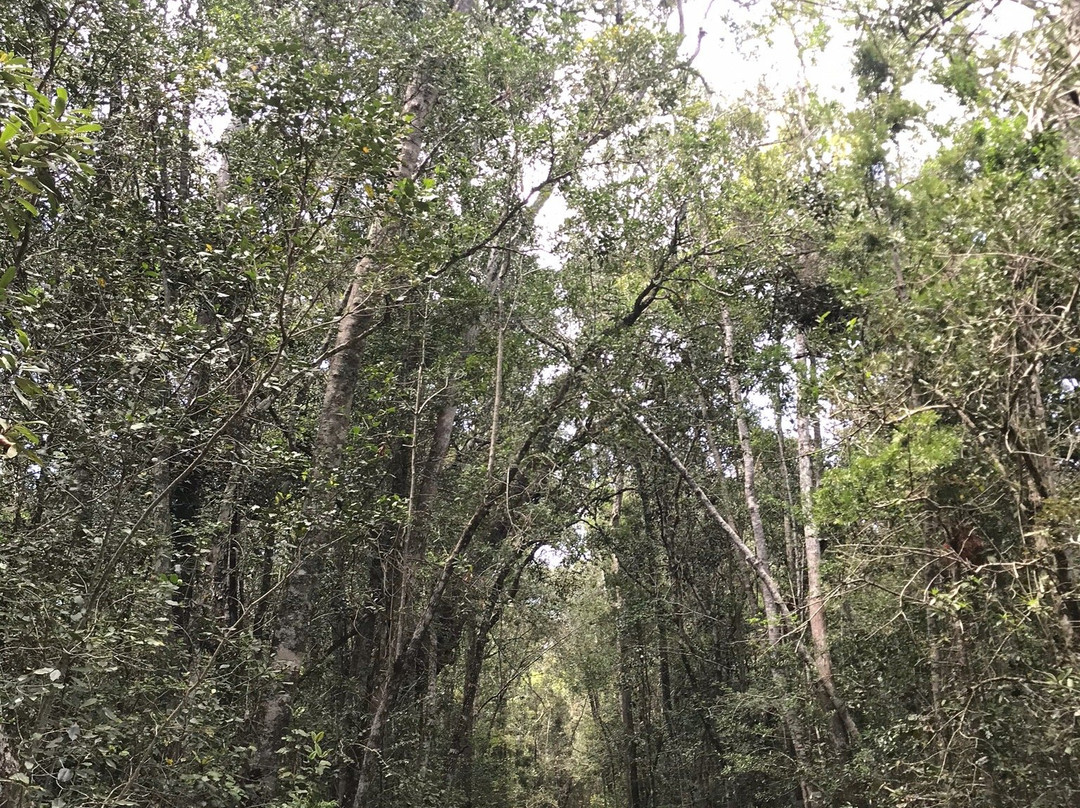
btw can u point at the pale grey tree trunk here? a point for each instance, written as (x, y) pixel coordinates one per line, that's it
(793, 551)
(812, 797)
(757, 527)
(844, 731)
(771, 597)
(292, 627)
(11, 793)
(626, 701)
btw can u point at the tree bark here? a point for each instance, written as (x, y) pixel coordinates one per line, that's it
(757, 527)
(843, 727)
(292, 626)
(771, 599)
(625, 684)
(795, 560)
(11, 793)
(460, 769)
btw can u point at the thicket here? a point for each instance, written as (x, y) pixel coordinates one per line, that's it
(412, 403)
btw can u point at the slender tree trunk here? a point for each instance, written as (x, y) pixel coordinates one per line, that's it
(625, 685)
(496, 404)
(292, 626)
(770, 596)
(502, 593)
(742, 549)
(11, 793)
(496, 495)
(710, 443)
(757, 527)
(217, 600)
(843, 726)
(795, 561)
(423, 487)
(542, 431)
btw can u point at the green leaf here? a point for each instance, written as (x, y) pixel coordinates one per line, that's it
(29, 436)
(27, 386)
(10, 128)
(29, 185)
(7, 278)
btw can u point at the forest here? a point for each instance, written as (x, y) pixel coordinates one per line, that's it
(477, 404)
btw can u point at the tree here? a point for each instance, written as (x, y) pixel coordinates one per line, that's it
(427, 403)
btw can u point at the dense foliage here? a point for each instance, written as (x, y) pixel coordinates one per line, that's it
(423, 403)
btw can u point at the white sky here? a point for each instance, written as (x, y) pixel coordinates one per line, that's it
(733, 69)
(772, 68)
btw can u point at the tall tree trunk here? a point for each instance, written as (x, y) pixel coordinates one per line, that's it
(11, 793)
(795, 560)
(541, 432)
(423, 487)
(843, 727)
(496, 495)
(460, 769)
(496, 404)
(625, 683)
(630, 751)
(770, 595)
(757, 527)
(292, 626)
